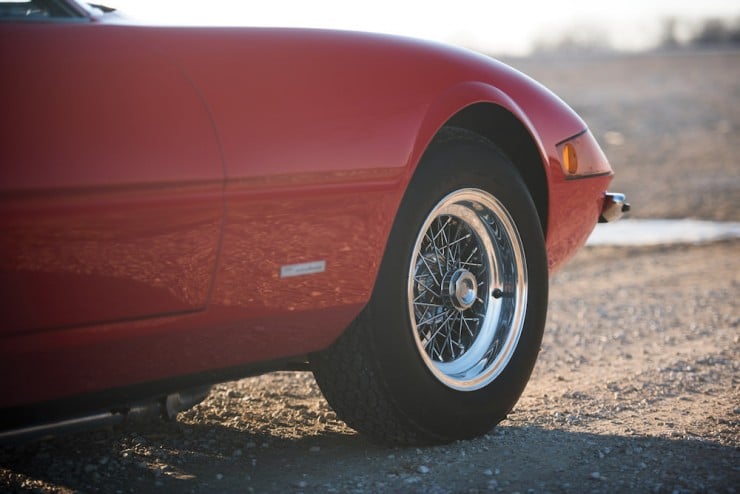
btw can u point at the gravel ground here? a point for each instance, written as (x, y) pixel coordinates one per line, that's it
(637, 388)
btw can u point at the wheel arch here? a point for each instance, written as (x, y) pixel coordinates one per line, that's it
(511, 136)
(493, 114)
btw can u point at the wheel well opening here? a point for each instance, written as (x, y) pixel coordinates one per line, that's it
(501, 127)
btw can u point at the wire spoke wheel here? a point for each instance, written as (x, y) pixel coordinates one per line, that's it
(467, 289)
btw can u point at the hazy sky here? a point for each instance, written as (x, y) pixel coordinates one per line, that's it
(487, 25)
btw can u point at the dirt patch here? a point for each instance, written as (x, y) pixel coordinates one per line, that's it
(637, 388)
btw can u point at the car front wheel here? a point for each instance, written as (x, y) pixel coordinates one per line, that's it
(449, 339)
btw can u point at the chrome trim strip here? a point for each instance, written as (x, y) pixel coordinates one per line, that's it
(45, 430)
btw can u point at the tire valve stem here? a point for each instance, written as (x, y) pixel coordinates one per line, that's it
(497, 293)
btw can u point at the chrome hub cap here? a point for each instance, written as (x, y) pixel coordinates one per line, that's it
(462, 289)
(467, 289)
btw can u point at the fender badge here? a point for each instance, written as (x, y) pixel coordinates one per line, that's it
(302, 269)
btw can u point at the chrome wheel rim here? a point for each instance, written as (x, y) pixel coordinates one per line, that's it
(467, 289)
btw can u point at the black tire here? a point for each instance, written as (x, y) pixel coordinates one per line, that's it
(388, 374)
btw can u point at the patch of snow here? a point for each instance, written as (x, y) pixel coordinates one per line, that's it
(662, 232)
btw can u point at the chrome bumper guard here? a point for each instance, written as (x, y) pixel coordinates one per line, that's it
(615, 205)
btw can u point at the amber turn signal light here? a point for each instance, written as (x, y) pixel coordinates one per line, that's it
(570, 159)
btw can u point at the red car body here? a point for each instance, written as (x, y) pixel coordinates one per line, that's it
(156, 182)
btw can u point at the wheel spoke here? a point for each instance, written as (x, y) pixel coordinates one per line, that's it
(444, 249)
(431, 273)
(429, 290)
(465, 321)
(429, 321)
(441, 326)
(436, 248)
